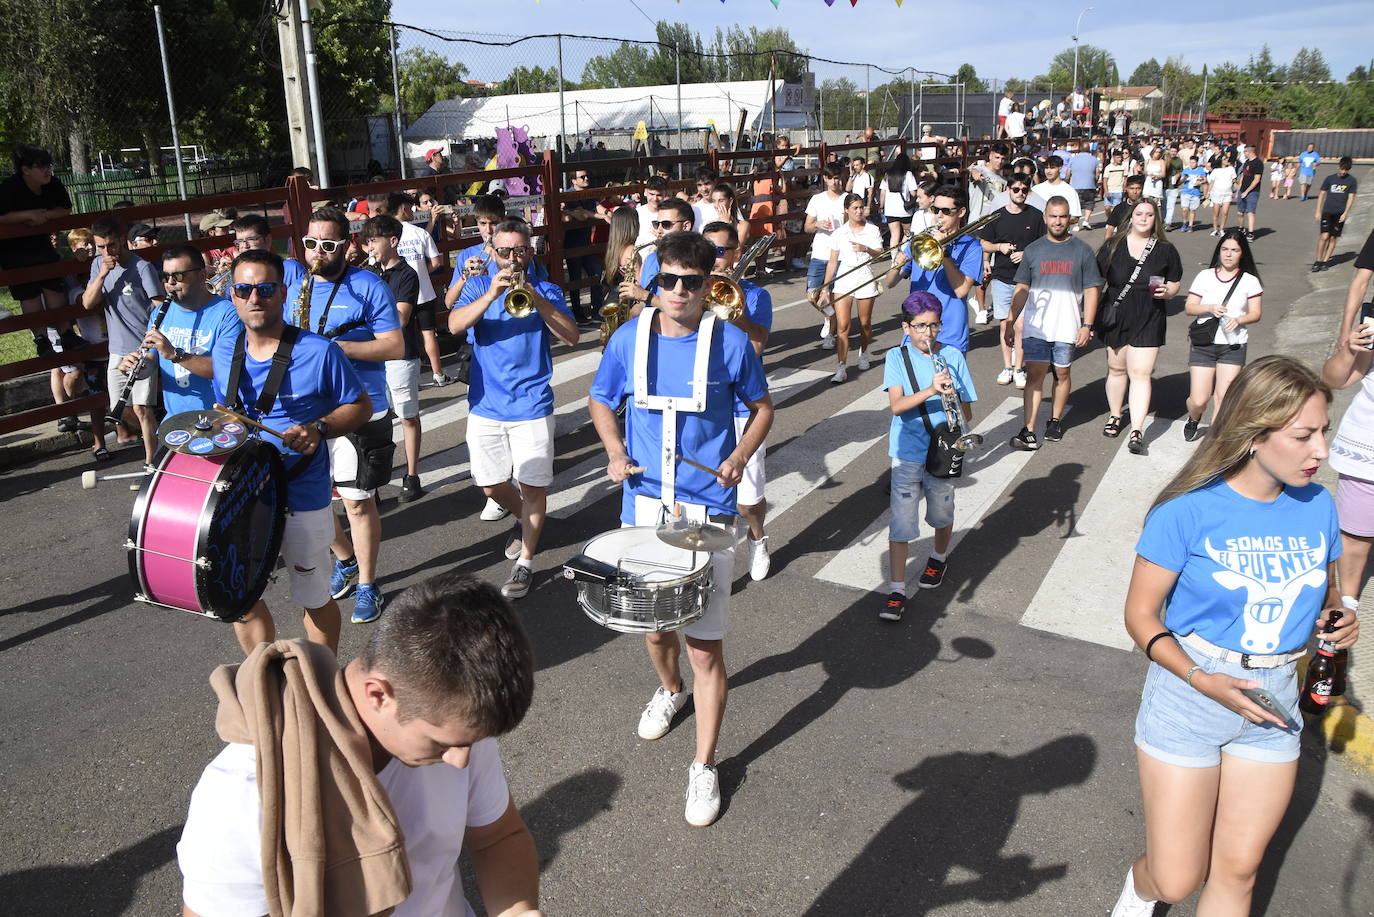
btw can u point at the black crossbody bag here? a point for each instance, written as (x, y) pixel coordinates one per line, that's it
(942, 459)
(1203, 329)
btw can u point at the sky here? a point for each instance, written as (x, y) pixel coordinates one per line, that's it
(1001, 38)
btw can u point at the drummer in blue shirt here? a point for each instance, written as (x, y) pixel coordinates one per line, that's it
(692, 368)
(320, 399)
(961, 268)
(510, 426)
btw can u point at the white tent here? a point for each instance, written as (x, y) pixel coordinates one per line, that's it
(600, 112)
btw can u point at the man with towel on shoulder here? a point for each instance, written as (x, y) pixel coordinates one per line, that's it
(351, 792)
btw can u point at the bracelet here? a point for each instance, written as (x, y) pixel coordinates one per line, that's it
(1149, 647)
(1189, 677)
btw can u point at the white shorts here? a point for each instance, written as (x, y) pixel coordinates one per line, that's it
(343, 464)
(403, 380)
(144, 391)
(712, 624)
(305, 550)
(1221, 198)
(502, 449)
(755, 475)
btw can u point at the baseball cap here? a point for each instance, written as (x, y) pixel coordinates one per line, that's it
(429, 154)
(213, 220)
(139, 230)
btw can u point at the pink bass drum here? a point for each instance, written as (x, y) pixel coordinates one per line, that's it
(206, 530)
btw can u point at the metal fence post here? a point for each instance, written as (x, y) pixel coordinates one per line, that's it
(313, 80)
(562, 117)
(396, 96)
(911, 91)
(172, 112)
(868, 93)
(677, 67)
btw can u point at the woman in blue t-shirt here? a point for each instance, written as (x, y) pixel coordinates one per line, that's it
(1239, 550)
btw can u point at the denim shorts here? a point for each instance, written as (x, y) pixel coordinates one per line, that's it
(1182, 726)
(815, 274)
(1036, 350)
(1209, 356)
(1248, 203)
(1001, 298)
(909, 482)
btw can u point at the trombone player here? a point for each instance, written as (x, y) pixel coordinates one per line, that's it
(961, 265)
(510, 323)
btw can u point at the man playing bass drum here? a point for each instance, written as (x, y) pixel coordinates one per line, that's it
(300, 383)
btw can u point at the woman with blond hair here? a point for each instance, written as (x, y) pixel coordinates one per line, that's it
(1142, 271)
(1239, 551)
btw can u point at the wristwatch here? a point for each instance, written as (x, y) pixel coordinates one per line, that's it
(323, 428)
(179, 355)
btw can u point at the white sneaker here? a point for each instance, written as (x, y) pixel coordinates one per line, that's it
(703, 795)
(864, 362)
(1129, 904)
(828, 342)
(840, 375)
(659, 712)
(1019, 377)
(759, 561)
(981, 317)
(1005, 376)
(493, 511)
(825, 329)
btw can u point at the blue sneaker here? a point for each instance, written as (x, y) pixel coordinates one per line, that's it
(367, 603)
(344, 576)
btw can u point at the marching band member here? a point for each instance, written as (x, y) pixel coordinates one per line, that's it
(698, 372)
(317, 397)
(510, 425)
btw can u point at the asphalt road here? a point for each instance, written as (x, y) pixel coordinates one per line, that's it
(958, 763)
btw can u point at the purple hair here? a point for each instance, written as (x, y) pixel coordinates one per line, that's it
(918, 302)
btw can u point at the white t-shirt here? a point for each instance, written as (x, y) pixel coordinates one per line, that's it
(822, 207)
(702, 213)
(894, 203)
(220, 851)
(417, 247)
(1212, 290)
(1016, 124)
(646, 231)
(863, 183)
(1041, 194)
(870, 236)
(1221, 179)
(1004, 107)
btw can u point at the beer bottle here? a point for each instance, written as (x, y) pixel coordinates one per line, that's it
(1325, 672)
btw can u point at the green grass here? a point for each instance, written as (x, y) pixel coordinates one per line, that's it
(17, 345)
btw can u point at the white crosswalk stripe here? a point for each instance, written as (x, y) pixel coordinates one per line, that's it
(1098, 556)
(987, 472)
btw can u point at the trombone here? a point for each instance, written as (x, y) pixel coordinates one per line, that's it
(926, 250)
(724, 296)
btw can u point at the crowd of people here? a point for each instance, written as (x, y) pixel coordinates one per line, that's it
(327, 346)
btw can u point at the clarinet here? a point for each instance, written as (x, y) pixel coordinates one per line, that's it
(117, 412)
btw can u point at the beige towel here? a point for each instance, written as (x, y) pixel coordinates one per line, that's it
(330, 841)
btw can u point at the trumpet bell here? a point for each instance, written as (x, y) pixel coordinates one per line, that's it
(926, 252)
(519, 304)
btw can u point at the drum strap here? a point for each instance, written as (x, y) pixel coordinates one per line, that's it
(281, 359)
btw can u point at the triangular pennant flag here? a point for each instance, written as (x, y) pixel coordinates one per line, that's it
(775, 3)
(829, 2)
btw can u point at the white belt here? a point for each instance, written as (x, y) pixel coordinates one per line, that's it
(1245, 660)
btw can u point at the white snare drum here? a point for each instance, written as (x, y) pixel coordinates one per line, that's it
(630, 581)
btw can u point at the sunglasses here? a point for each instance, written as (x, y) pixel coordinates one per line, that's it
(178, 276)
(690, 282)
(265, 290)
(506, 251)
(328, 246)
(947, 211)
(1019, 189)
(665, 224)
(722, 249)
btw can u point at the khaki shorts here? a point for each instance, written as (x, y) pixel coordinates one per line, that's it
(144, 391)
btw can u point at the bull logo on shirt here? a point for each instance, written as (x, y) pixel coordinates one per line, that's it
(1272, 570)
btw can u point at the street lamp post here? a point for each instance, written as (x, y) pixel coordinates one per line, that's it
(1077, 26)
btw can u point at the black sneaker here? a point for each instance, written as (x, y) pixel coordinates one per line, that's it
(1190, 430)
(1316, 266)
(71, 340)
(1054, 430)
(1025, 441)
(934, 573)
(44, 347)
(410, 488)
(893, 606)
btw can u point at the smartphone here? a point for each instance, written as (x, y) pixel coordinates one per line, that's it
(1270, 703)
(1367, 317)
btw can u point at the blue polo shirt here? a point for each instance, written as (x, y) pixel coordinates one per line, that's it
(359, 297)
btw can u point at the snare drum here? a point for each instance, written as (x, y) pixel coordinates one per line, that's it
(206, 530)
(654, 587)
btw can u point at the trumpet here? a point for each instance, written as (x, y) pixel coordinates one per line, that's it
(519, 300)
(724, 296)
(949, 402)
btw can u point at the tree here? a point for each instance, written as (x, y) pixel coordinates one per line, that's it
(1309, 66)
(427, 77)
(530, 79)
(969, 77)
(1096, 67)
(1147, 73)
(354, 63)
(733, 54)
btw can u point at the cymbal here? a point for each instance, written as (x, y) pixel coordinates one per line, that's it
(695, 536)
(206, 432)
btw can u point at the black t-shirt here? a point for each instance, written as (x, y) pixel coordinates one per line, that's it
(1338, 190)
(1121, 213)
(1250, 171)
(1365, 259)
(579, 232)
(405, 286)
(1020, 229)
(26, 251)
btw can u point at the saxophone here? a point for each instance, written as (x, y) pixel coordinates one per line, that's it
(303, 297)
(613, 315)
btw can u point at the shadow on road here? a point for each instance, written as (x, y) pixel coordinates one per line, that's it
(114, 594)
(566, 806)
(946, 846)
(1361, 865)
(1311, 772)
(103, 888)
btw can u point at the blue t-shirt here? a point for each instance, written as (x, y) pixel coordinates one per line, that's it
(1192, 181)
(195, 331)
(474, 251)
(907, 438)
(1307, 163)
(292, 273)
(511, 377)
(1251, 575)
(319, 379)
(648, 272)
(1083, 171)
(758, 308)
(358, 297)
(967, 254)
(734, 372)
